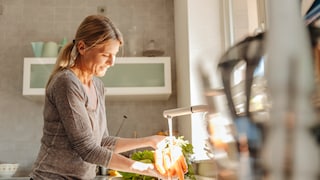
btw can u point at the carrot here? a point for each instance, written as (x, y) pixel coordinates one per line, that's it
(168, 164)
(158, 157)
(183, 163)
(170, 161)
(178, 168)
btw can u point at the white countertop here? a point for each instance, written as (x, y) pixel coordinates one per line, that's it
(15, 178)
(100, 178)
(28, 178)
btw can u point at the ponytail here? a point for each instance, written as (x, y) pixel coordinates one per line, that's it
(64, 60)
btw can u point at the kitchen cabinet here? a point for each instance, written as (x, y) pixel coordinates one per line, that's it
(132, 78)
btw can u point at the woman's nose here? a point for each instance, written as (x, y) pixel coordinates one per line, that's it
(111, 60)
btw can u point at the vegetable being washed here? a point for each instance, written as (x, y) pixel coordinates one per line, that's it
(170, 161)
(178, 160)
(145, 156)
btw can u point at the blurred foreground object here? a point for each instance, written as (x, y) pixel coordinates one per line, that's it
(291, 151)
(265, 131)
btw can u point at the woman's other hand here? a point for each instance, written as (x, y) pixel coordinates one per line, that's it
(157, 140)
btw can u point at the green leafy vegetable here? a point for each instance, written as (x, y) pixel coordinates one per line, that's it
(143, 155)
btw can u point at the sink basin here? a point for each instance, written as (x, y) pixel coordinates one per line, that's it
(108, 178)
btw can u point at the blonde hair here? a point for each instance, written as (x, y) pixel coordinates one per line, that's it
(94, 30)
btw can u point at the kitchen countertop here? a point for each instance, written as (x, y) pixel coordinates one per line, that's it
(198, 177)
(28, 178)
(101, 178)
(16, 178)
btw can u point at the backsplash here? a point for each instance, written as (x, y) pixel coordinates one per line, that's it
(52, 20)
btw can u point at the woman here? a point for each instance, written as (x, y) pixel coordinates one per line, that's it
(75, 137)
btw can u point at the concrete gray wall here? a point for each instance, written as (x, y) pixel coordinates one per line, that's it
(24, 21)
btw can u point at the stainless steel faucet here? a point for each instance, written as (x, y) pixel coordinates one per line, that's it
(184, 111)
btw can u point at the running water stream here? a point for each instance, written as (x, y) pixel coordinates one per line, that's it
(170, 126)
(170, 137)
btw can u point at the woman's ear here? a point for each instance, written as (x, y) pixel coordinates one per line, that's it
(81, 46)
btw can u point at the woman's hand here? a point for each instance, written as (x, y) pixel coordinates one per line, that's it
(170, 161)
(155, 173)
(157, 140)
(128, 144)
(147, 169)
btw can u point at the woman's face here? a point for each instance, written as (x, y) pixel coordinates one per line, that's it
(98, 59)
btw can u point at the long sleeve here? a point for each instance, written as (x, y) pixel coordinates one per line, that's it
(71, 100)
(72, 142)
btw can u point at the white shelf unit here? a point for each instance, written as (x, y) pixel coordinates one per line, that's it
(132, 78)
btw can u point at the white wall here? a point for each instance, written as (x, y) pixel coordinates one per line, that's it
(199, 38)
(182, 62)
(198, 41)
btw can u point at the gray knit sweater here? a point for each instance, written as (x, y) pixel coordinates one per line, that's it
(75, 138)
